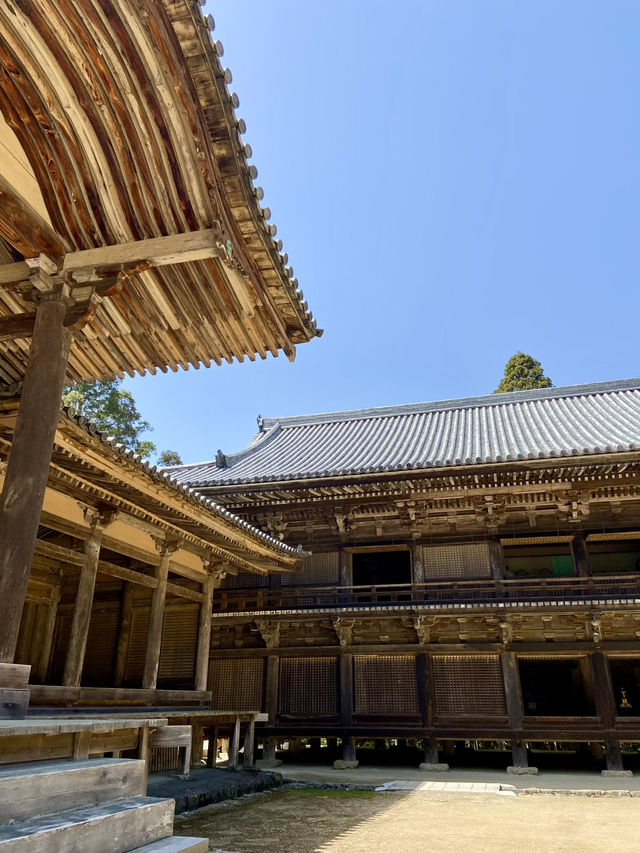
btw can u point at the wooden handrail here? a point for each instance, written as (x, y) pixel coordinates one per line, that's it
(447, 592)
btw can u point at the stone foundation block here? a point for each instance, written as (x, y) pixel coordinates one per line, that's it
(615, 773)
(433, 768)
(340, 764)
(522, 771)
(268, 763)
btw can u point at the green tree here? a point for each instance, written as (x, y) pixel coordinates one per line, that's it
(113, 410)
(522, 373)
(169, 457)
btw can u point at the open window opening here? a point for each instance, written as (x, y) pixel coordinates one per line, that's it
(625, 678)
(556, 688)
(376, 568)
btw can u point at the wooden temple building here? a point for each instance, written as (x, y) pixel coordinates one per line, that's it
(475, 573)
(132, 240)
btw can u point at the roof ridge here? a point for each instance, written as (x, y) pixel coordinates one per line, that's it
(487, 400)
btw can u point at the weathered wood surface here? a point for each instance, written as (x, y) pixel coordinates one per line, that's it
(28, 465)
(35, 789)
(130, 139)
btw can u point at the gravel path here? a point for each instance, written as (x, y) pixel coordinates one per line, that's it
(414, 822)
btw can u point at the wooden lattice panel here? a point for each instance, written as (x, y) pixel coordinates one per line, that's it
(137, 647)
(179, 641)
(386, 684)
(468, 685)
(308, 686)
(317, 570)
(237, 685)
(245, 580)
(101, 647)
(456, 561)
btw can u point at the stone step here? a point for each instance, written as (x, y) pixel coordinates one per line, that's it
(46, 787)
(175, 844)
(115, 827)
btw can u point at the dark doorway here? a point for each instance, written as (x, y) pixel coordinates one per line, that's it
(381, 567)
(554, 688)
(625, 677)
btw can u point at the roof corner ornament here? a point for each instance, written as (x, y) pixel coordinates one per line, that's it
(260, 423)
(221, 460)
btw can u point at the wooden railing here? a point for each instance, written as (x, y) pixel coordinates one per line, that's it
(446, 593)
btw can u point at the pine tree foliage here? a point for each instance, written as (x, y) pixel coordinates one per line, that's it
(169, 457)
(113, 410)
(522, 373)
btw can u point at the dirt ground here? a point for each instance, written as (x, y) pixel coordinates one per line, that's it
(296, 821)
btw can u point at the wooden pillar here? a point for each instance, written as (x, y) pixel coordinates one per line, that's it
(124, 634)
(496, 559)
(269, 752)
(197, 744)
(204, 634)
(349, 749)
(344, 568)
(156, 618)
(426, 703)
(29, 459)
(603, 691)
(430, 747)
(47, 638)
(249, 744)
(580, 557)
(271, 689)
(346, 690)
(83, 604)
(234, 747)
(513, 697)
(212, 752)
(418, 564)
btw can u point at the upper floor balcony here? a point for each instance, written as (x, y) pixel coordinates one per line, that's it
(563, 591)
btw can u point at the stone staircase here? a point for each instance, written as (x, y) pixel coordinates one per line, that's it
(90, 806)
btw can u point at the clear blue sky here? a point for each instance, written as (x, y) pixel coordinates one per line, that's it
(453, 180)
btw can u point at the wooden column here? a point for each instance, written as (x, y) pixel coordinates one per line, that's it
(271, 688)
(513, 697)
(83, 603)
(29, 459)
(124, 634)
(44, 658)
(344, 568)
(603, 691)
(580, 556)
(496, 559)
(346, 690)
(234, 747)
(418, 564)
(204, 633)
(249, 744)
(156, 618)
(212, 752)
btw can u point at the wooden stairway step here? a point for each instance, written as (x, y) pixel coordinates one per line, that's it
(46, 787)
(175, 844)
(115, 827)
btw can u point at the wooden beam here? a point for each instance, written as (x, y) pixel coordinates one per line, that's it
(23, 227)
(16, 273)
(157, 251)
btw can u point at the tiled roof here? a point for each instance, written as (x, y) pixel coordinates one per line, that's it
(577, 420)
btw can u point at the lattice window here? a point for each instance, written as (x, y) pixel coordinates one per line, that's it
(470, 684)
(245, 580)
(308, 686)
(317, 570)
(456, 561)
(237, 684)
(385, 685)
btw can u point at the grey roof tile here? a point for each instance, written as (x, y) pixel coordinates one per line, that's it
(546, 423)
